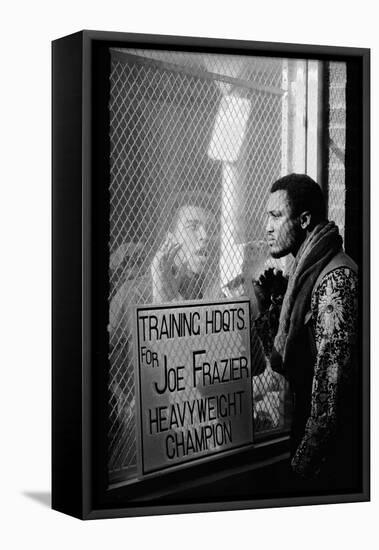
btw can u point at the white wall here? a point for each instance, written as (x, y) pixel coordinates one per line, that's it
(27, 28)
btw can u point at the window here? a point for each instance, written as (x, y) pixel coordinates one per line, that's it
(196, 141)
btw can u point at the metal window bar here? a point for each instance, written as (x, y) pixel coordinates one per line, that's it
(337, 144)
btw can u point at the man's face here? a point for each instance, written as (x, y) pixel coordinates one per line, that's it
(283, 231)
(191, 234)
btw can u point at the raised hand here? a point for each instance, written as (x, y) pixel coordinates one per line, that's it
(166, 272)
(270, 288)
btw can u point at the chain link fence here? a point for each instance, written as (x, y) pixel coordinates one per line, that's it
(198, 130)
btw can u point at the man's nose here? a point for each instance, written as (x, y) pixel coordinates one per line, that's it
(202, 233)
(269, 227)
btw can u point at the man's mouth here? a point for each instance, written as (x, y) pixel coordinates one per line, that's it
(201, 253)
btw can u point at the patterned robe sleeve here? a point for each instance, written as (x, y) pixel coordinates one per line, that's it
(334, 313)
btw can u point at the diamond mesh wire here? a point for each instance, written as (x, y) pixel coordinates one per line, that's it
(337, 143)
(196, 129)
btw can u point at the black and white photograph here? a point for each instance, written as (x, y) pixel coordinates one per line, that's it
(234, 318)
(227, 273)
(189, 308)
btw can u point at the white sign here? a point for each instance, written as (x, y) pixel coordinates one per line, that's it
(194, 377)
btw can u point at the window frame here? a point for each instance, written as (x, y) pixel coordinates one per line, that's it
(80, 255)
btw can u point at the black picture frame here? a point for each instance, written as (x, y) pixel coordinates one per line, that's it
(80, 207)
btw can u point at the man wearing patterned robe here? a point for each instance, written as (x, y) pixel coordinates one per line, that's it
(315, 335)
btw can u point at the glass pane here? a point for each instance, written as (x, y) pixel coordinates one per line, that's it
(196, 142)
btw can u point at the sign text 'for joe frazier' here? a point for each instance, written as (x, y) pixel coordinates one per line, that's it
(194, 381)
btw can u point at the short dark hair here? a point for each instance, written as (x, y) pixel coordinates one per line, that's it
(189, 199)
(304, 194)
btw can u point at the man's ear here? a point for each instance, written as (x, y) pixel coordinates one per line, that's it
(305, 219)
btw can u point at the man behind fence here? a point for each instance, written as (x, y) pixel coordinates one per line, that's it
(178, 267)
(316, 333)
(177, 273)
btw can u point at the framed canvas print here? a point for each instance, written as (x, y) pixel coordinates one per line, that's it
(210, 274)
